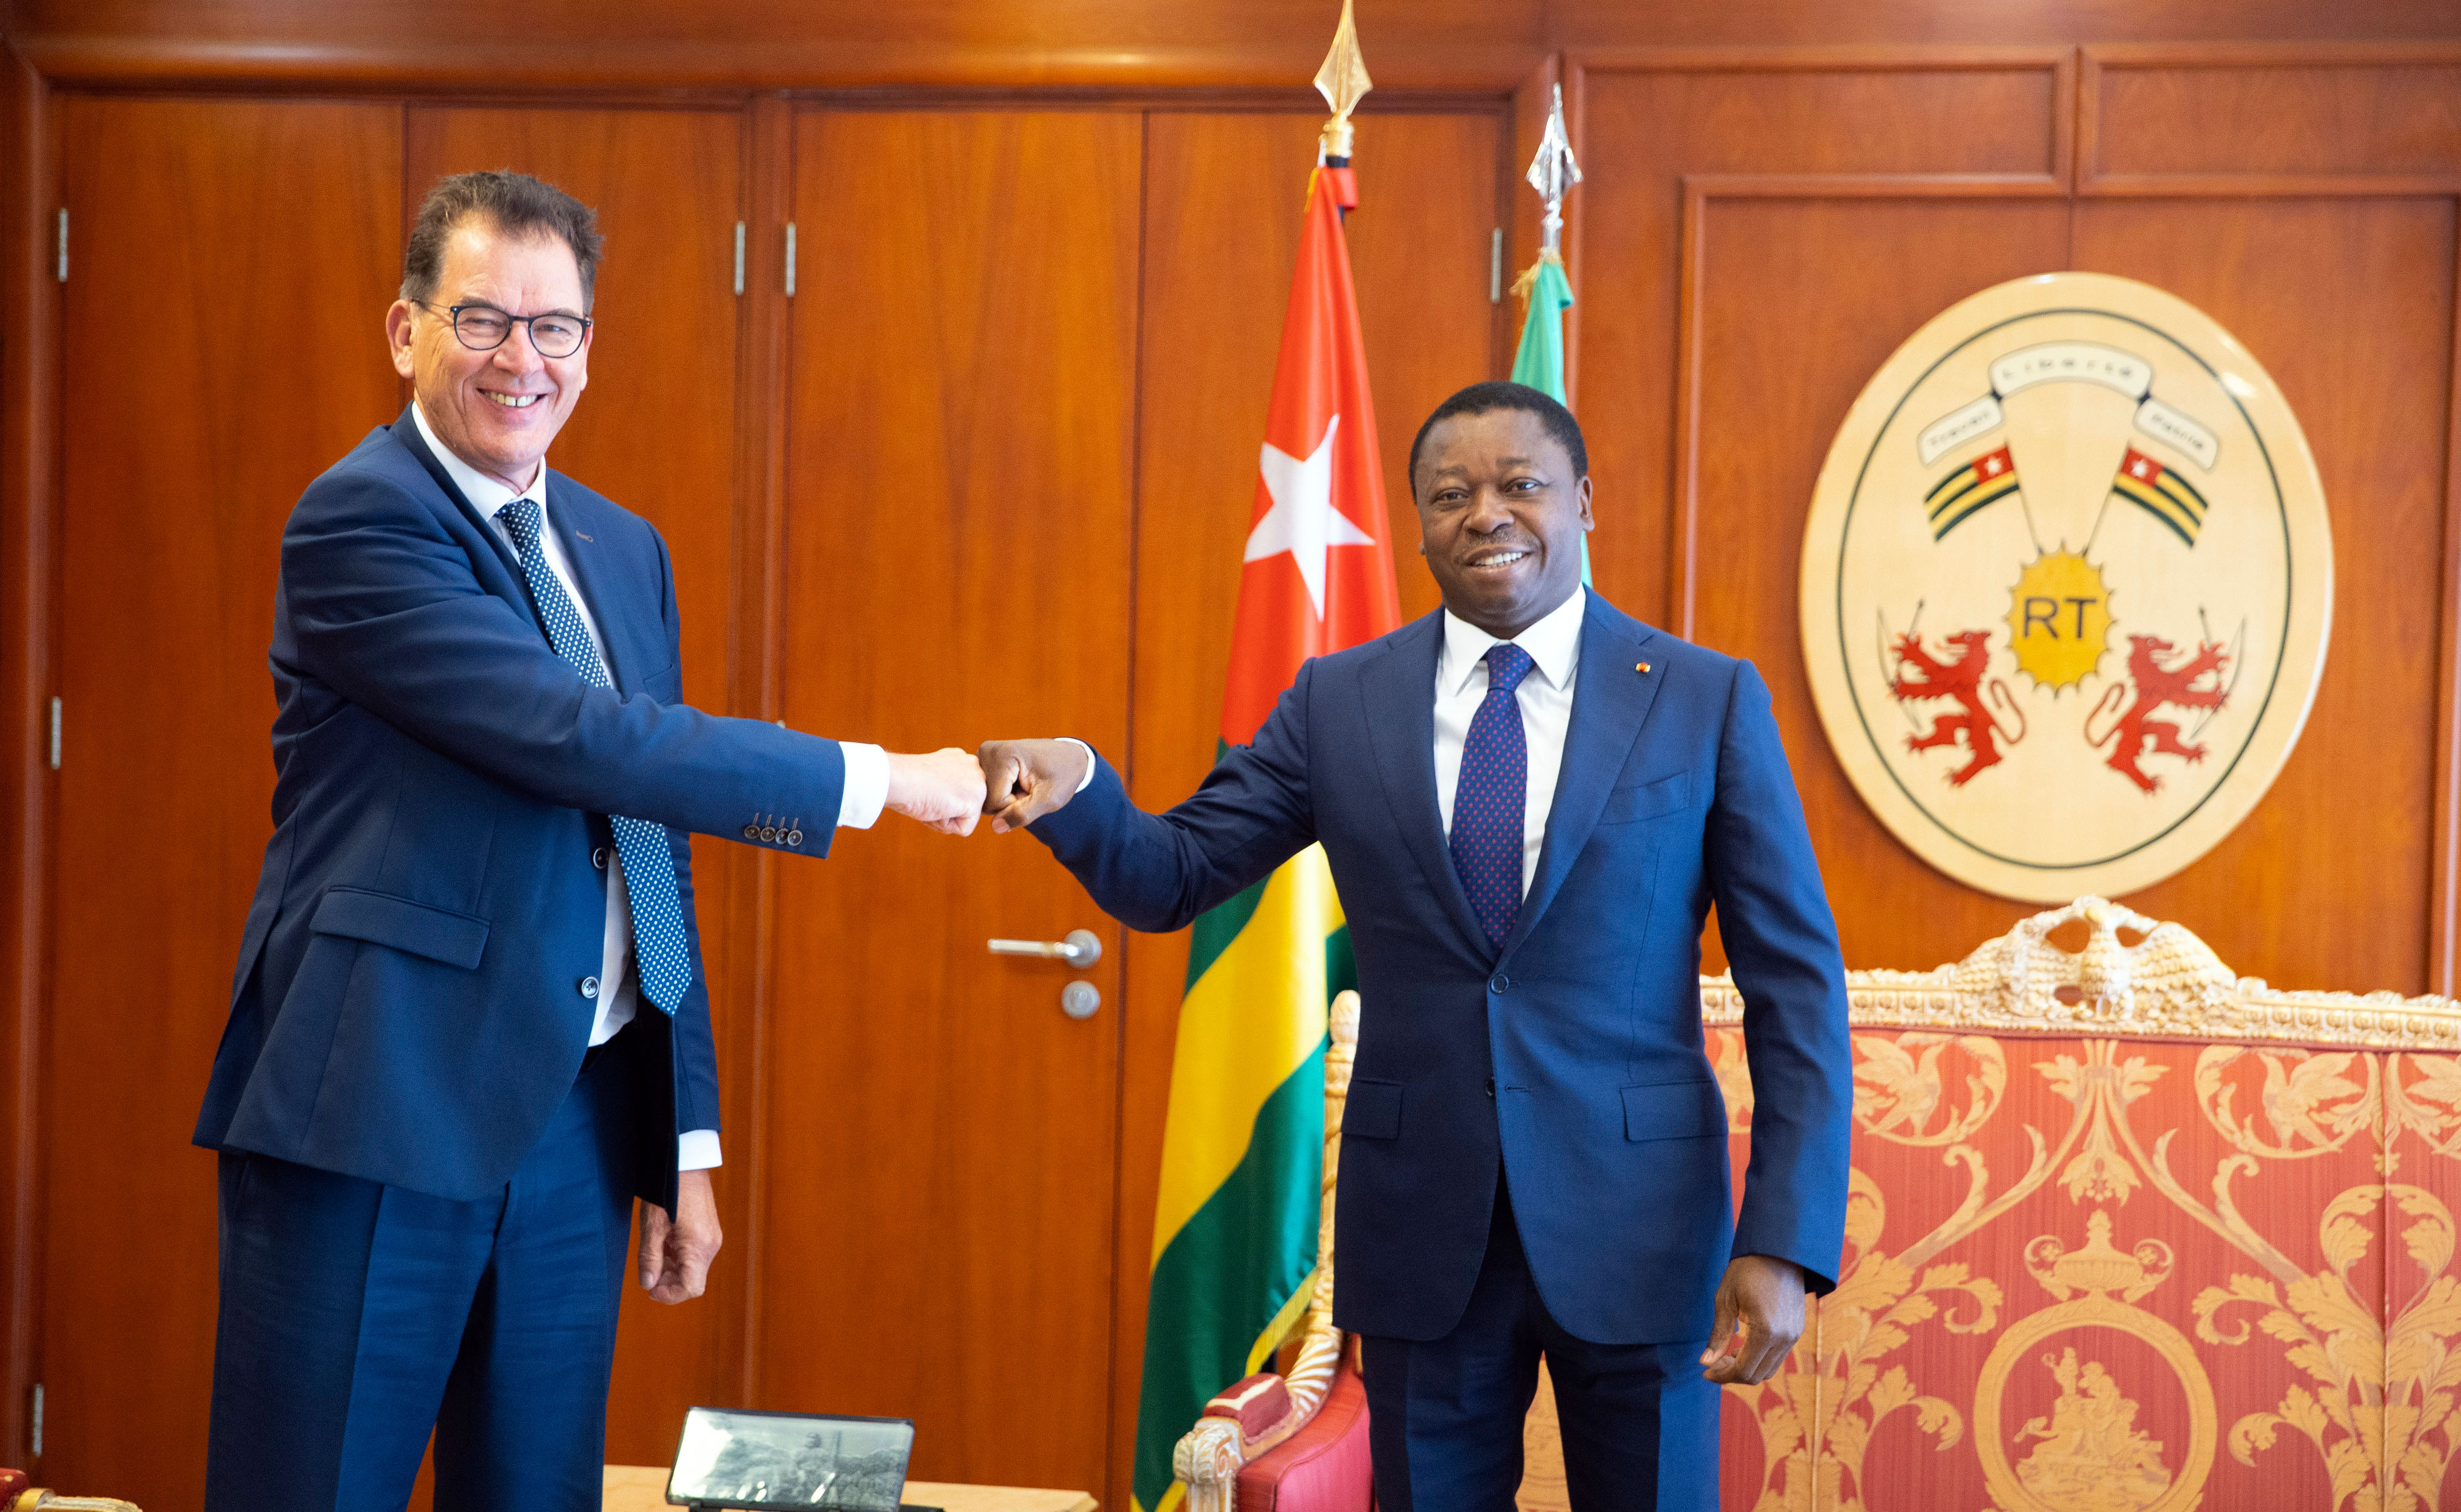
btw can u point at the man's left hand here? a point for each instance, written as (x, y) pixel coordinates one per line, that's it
(675, 1255)
(1760, 1315)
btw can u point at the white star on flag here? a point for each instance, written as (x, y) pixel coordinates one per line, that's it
(1303, 520)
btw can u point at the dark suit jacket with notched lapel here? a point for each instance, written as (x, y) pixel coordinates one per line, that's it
(407, 1005)
(1674, 794)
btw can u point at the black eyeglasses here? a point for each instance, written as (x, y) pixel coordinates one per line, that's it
(483, 327)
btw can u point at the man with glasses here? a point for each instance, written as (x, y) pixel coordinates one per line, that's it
(470, 1022)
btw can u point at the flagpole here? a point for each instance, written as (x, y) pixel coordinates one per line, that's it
(1544, 289)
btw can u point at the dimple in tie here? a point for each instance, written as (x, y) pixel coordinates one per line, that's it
(1491, 797)
(648, 864)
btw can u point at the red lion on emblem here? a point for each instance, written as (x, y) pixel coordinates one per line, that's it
(2155, 684)
(1961, 679)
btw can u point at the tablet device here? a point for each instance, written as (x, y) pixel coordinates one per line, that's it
(775, 1461)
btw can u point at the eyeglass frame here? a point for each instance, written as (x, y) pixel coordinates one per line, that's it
(453, 316)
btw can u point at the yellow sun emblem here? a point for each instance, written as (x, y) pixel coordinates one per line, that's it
(2059, 619)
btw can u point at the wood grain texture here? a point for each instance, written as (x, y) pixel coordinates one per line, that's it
(208, 375)
(2349, 817)
(1770, 369)
(937, 1241)
(656, 433)
(29, 323)
(781, 44)
(1777, 373)
(2348, 118)
(1657, 126)
(1221, 233)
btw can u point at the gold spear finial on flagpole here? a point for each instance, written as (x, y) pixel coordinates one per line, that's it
(1551, 173)
(1343, 82)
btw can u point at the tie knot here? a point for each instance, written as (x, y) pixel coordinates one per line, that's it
(1507, 664)
(521, 518)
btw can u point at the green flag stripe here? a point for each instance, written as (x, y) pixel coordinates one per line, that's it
(1229, 1270)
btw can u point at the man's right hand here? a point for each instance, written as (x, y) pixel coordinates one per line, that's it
(943, 789)
(1025, 779)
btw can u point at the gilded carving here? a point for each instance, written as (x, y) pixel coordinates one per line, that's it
(2168, 983)
(2089, 1453)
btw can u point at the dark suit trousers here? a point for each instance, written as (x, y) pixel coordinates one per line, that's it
(357, 1316)
(1444, 1417)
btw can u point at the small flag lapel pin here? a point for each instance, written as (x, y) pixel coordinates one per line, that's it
(1640, 666)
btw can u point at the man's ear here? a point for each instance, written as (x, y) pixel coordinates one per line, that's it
(397, 336)
(1582, 493)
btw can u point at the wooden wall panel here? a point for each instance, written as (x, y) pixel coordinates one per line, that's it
(209, 373)
(941, 1140)
(2184, 116)
(656, 433)
(1777, 373)
(1795, 296)
(2348, 818)
(1655, 126)
(1269, 44)
(1221, 229)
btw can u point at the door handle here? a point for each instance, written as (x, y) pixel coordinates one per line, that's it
(1081, 949)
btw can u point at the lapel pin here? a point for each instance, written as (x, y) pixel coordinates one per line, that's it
(1640, 666)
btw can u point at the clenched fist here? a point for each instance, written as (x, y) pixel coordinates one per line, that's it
(943, 789)
(1025, 779)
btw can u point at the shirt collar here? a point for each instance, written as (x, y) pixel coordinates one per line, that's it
(1553, 644)
(486, 495)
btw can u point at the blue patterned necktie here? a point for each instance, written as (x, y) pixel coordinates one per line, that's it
(649, 864)
(1489, 800)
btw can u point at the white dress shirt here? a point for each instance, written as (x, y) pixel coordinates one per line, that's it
(619, 992)
(1545, 698)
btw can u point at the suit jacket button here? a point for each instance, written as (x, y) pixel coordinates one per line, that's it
(598, 857)
(1490, 1087)
(589, 987)
(1498, 983)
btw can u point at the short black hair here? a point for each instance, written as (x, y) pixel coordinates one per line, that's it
(514, 204)
(1481, 398)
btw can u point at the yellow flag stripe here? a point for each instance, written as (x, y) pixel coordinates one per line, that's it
(1251, 1020)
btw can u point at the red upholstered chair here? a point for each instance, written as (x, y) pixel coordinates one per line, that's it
(1297, 1441)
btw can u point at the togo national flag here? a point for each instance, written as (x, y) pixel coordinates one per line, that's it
(1243, 1152)
(1539, 362)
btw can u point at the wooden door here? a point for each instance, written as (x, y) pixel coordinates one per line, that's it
(656, 433)
(223, 342)
(937, 1168)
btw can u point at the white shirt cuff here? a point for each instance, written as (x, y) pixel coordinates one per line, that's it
(866, 788)
(697, 1150)
(1089, 763)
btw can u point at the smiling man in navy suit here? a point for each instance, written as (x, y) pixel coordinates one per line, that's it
(1529, 802)
(470, 1022)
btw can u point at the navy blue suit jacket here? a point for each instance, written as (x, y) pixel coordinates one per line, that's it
(1673, 795)
(407, 1006)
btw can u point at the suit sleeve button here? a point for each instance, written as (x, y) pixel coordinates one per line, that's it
(794, 837)
(589, 987)
(1499, 983)
(770, 834)
(751, 832)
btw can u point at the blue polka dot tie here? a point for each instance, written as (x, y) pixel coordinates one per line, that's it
(649, 864)
(1488, 802)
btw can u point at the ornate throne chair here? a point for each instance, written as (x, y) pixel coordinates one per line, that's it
(2125, 1230)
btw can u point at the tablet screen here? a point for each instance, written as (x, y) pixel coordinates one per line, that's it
(790, 1460)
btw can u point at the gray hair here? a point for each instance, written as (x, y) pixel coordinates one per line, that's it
(512, 203)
